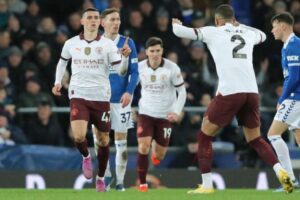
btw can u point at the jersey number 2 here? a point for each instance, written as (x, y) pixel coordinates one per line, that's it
(235, 50)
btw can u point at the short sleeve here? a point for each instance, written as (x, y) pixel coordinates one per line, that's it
(113, 54)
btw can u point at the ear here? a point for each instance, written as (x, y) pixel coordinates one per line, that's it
(81, 21)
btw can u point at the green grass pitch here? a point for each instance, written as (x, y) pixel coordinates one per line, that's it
(132, 194)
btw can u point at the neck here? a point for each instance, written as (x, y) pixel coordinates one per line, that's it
(111, 36)
(89, 36)
(154, 64)
(286, 36)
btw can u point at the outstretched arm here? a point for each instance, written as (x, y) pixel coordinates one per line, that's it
(185, 32)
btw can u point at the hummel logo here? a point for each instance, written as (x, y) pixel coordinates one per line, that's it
(78, 49)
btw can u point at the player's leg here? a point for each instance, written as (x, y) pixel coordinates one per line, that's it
(121, 159)
(107, 175)
(249, 118)
(274, 135)
(102, 156)
(79, 117)
(144, 133)
(297, 136)
(100, 117)
(121, 119)
(161, 138)
(219, 113)
(296, 133)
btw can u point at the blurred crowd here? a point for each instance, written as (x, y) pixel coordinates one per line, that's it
(32, 33)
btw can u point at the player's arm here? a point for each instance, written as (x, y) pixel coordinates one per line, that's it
(119, 61)
(185, 32)
(260, 36)
(178, 83)
(293, 81)
(133, 69)
(60, 69)
(181, 98)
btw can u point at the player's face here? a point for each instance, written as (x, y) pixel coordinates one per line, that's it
(91, 21)
(154, 53)
(277, 30)
(111, 23)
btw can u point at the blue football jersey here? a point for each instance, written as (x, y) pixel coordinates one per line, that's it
(121, 84)
(290, 60)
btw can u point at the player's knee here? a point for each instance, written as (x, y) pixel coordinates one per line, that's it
(124, 155)
(103, 140)
(144, 148)
(78, 138)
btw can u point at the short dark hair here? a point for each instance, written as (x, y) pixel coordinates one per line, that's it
(152, 41)
(225, 11)
(90, 9)
(284, 17)
(109, 11)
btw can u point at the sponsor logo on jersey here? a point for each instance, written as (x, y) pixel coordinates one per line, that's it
(293, 58)
(87, 51)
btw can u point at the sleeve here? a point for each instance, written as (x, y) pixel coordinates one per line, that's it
(177, 79)
(133, 68)
(259, 35)
(292, 82)
(114, 55)
(207, 33)
(62, 64)
(181, 98)
(186, 32)
(65, 53)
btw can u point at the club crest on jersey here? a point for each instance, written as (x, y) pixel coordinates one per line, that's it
(87, 51)
(153, 78)
(163, 77)
(99, 50)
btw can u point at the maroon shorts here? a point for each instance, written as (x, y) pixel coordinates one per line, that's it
(96, 112)
(245, 106)
(159, 129)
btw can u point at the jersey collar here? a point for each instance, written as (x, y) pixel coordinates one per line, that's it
(81, 36)
(160, 65)
(288, 40)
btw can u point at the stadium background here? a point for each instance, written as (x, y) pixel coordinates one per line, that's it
(32, 33)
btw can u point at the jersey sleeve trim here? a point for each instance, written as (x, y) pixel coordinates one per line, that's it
(116, 62)
(179, 84)
(65, 59)
(196, 33)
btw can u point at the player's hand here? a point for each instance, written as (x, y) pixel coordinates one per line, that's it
(56, 89)
(176, 21)
(278, 106)
(125, 50)
(172, 117)
(125, 99)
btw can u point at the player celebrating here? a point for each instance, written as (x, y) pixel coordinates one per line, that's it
(89, 90)
(288, 113)
(122, 90)
(231, 45)
(160, 79)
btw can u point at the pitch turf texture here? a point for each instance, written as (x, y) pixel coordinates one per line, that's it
(132, 194)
